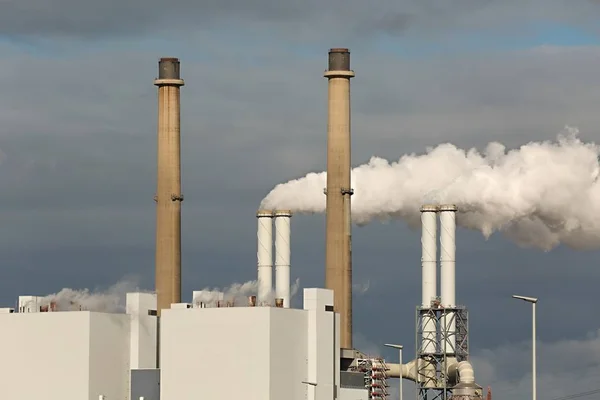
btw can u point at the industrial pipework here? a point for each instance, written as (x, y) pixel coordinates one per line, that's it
(441, 363)
(282, 255)
(338, 241)
(168, 196)
(264, 256)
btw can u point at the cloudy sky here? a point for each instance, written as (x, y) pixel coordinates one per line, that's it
(78, 143)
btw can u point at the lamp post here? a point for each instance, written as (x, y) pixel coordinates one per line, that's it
(533, 302)
(399, 347)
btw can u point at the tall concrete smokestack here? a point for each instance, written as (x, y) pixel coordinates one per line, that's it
(338, 250)
(168, 189)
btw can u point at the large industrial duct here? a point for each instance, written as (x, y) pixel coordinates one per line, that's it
(264, 256)
(282, 255)
(405, 371)
(448, 274)
(338, 232)
(460, 375)
(168, 191)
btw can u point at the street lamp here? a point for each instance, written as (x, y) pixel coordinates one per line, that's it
(533, 302)
(399, 347)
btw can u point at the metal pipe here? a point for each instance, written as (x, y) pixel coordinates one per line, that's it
(429, 272)
(282, 255)
(448, 274)
(338, 247)
(264, 256)
(168, 191)
(400, 386)
(533, 354)
(252, 301)
(533, 301)
(399, 347)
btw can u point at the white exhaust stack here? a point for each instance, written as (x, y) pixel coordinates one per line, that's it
(429, 272)
(425, 365)
(430, 370)
(282, 256)
(264, 256)
(448, 273)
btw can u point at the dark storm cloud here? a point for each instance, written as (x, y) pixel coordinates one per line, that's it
(46, 18)
(79, 134)
(113, 17)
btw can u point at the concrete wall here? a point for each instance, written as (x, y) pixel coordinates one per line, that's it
(254, 353)
(287, 354)
(323, 366)
(215, 352)
(44, 356)
(143, 330)
(353, 394)
(109, 356)
(63, 355)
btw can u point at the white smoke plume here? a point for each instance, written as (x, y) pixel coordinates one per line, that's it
(111, 300)
(540, 195)
(236, 295)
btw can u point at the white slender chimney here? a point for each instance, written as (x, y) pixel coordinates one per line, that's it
(282, 255)
(264, 256)
(428, 273)
(448, 272)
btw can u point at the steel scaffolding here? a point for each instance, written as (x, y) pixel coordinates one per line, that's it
(432, 382)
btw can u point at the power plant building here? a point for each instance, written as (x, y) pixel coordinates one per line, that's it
(276, 353)
(64, 355)
(257, 347)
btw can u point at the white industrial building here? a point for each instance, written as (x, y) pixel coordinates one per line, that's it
(281, 353)
(64, 355)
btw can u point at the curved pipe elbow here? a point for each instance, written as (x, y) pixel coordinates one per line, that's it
(466, 374)
(460, 372)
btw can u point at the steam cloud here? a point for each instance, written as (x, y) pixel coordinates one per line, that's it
(540, 195)
(111, 300)
(236, 294)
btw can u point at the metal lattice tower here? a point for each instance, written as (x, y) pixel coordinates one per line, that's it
(432, 382)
